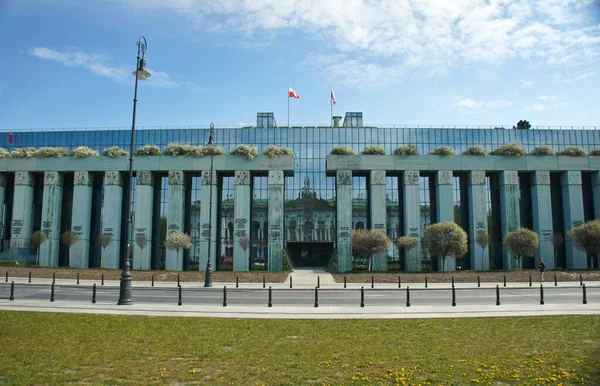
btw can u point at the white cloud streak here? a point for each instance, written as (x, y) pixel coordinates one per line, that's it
(466, 105)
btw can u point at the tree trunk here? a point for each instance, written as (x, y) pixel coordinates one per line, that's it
(370, 262)
(443, 263)
(69, 256)
(177, 261)
(482, 251)
(142, 254)
(519, 260)
(37, 256)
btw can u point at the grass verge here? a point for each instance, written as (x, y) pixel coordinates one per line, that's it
(40, 348)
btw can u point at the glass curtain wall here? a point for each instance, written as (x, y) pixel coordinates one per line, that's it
(195, 221)
(259, 224)
(226, 219)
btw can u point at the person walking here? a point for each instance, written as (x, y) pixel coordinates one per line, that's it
(541, 269)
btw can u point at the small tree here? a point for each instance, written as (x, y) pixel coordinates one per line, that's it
(244, 243)
(37, 239)
(69, 238)
(445, 239)
(141, 240)
(587, 238)
(522, 242)
(178, 241)
(557, 241)
(523, 125)
(105, 240)
(482, 239)
(367, 242)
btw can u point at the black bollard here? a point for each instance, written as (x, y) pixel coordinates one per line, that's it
(318, 281)
(94, 294)
(316, 297)
(555, 280)
(224, 296)
(541, 294)
(372, 281)
(362, 296)
(453, 297)
(497, 295)
(505, 280)
(291, 281)
(399, 282)
(530, 280)
(580, 279)
(102, 278)
(77, 278)
(12, 291)
(270, 297)
(152, 280)
(237, 282)
(478, 282)
(180, 295)
(178, 285)
(452, 281)
(344, 281)
(425, 281)
(584, 294)
(29, 277)
(53, 278)
(264, 282)
(7, 276)
(52, 293)
(407, 296)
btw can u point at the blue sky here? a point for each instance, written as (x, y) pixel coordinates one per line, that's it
(68, 63)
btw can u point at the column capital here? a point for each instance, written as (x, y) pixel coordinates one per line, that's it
(276, 177)
(540, 178)
(176, 177)
(83, 178)
(477, 177)
(410, 177)
(113, 178)
(242, 177)
(2, 180)
(144, 177)
(444, 177)
(377, 177)
(208, 178)
(343, 177)
(570, 177)
(509, 177)
(24, 179)
(53, 178)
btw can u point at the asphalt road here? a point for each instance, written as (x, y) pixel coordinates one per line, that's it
(306, 297)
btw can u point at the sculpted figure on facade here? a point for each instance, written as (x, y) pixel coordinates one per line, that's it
(53, 178)
(208, 179)
(24, 178)
(574, 178)
(176, 177)
(83, 178)
(276, 177)
(242, 177)
(411, 177)
(144, 178)
(511, 178)
(445, 177)
(477, 177)
(113, 178)
(344, 177)
(378, 177)
(542, 178)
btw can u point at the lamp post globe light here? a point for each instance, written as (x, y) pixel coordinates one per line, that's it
(211, 145)
(140, 73)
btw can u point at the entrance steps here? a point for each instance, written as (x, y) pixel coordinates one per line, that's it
(307, 277)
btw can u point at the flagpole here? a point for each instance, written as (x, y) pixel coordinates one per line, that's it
(331, 103)
(288, 98)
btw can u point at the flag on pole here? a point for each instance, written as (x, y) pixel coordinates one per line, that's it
(333, 96)
(292, 93)
(10, 138)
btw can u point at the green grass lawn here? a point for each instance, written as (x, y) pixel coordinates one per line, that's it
(40, 348)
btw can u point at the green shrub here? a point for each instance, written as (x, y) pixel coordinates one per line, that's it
(543, 150)
(208, 150)
(179, 149)
(84, 152)
(52, 152)
(476, 150)
(4, 153)
(406, 150)
(342, 150)
(373, 150)
(510, 149)
(573, 151)
(442, 150)
(24, 152)
(272, 151)
(247, 151)
(595, 152)
(115, 152)
(148, 150)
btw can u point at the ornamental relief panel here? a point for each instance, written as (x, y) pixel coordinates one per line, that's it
(343, 177)
(542, 178)
(511, 178)
(208, 179)
(477, 177)
(378, 177)
(574, 178)
(275, 177)
(83, 178)
(176, 177)
(53, 178)
(242, 177)
(411, 177)
(113, 178)
(144, 177)
(24, 179)
(445, 177)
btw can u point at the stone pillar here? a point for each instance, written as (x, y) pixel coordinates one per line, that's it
(144, 199)
(22, 216)
(209, 184)
(112, 217)
(241, 220)
(478, 223)
(510, 215)
(412, 218)
(2, 198)
(378, 212)
(573, 216)
(444, 209)
(275, 209)
(81, 218)
(343, 182)
(541, 204)
(51, 216)
(596, 194)
(176, 217)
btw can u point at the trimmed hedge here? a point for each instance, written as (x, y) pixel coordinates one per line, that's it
(442, 150)
(147, 150)
(248, 151)
(84, 152)
(273, 151)
(595, 152)
(115, 152)
(24, 152)
(511, 149)
(543, 150)
(406, 150)
(179, 149)
(52, 152)
(208, 150)
(373, 150)
(573, 151)
(476, 150)
(4, 153)
(342, 150)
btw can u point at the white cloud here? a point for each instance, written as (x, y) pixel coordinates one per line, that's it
(98, 64)
(527, 84)
(467, 105)
(535, 107)
(548, 102)
(428, 37)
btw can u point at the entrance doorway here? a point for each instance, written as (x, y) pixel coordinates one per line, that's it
(309, 254)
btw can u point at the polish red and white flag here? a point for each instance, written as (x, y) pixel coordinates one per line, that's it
(293, 94)
(333, 96)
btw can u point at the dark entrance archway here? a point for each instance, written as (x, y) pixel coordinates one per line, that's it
(309, 254)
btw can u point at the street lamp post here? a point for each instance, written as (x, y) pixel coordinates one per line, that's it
(211, 144)
(139, 73)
